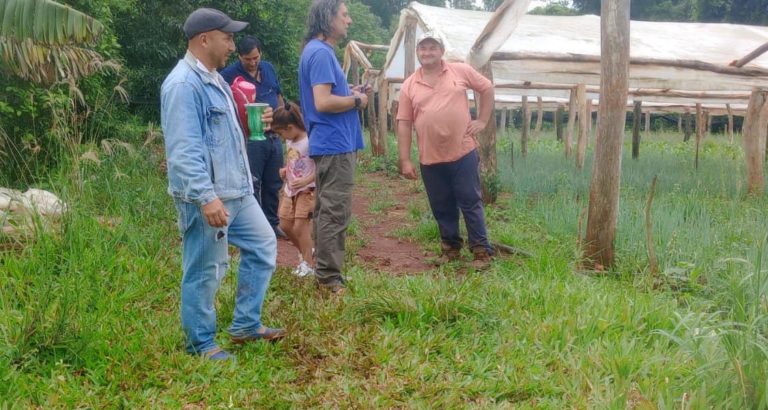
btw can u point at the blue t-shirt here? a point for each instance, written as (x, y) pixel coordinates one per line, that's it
(267, 90)
(329, 133)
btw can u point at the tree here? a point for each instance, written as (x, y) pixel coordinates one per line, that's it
(606, 170)
(46, 42)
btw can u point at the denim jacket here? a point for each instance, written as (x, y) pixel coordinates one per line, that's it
(204, 144)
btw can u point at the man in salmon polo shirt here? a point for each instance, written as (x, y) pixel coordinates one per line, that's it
(434, 100)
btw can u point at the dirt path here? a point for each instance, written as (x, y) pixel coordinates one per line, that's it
(379, 249)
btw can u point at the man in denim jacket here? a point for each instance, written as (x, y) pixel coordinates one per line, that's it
(209, 180)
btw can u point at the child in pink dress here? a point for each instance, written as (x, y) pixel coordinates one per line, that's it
(297, 202)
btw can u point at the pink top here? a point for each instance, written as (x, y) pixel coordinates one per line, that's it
(440, 114)
(298, 165)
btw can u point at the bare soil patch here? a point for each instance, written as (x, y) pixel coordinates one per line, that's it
(380, 249)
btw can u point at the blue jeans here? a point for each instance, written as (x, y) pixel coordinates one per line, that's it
(205, 261)
(454, 186)
(265, 159)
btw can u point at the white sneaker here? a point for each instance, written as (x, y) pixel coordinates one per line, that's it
(303, 270)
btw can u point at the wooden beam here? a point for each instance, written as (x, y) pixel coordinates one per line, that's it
(410, 46)
(606, 171)
(751, 56)
(501, 24)
(373, 47)
(582, 58)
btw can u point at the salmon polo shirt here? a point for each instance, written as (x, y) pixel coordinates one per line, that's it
(440, 114)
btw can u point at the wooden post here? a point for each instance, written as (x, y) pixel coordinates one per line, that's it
(525, 128)
(539, 117)
(530, 117)
(699, 133)
(503, 121)
(647, 121)
(754, 134)
(573, 105)
(487, 140)
(687, 125)
(591, 108)
(409, 42)
(730, 123)
(559, 122)
(606, 171)
(377, 142)
(585, 118)
(354, 69)
(383, 113)
(708, 121)
(636, 115)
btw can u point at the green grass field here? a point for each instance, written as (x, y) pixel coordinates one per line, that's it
(89, 313)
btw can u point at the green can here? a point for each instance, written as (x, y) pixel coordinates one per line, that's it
(255, 111)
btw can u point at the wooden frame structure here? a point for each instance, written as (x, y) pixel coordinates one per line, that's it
(673, 67)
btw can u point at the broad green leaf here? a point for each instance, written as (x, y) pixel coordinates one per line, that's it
(45, 41)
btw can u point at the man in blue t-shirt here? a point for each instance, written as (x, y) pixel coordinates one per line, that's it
(264, 157)
(330, 110)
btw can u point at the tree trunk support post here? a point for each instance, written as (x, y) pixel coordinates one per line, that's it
(730, 122)
(525, 128)
(647, 121)
(539, 117)
(559, 122)
(487, 140)
(699, 133)
(383, 113)
(409, 42)
(573, 106)
(636, 117)
(754, 133)
(503, 121)
(606, 170)
(585, 118)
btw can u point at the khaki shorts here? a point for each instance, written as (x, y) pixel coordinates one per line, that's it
(299, 206)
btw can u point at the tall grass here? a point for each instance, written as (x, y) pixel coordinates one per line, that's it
(89, 311)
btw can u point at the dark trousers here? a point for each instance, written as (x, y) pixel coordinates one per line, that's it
(265, 159)
(335, 178)
(452, 187)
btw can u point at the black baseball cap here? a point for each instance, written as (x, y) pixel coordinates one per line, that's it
(205, 19)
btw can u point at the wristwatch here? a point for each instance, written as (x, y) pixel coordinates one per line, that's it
(358, 101)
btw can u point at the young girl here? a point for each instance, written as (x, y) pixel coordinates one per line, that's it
(298, 197)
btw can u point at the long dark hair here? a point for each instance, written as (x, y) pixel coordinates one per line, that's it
(321, 14)
(288, 114)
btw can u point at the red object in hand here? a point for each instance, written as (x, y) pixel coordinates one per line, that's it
(245, 93)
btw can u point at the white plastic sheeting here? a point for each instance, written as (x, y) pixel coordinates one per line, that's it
(556, 38)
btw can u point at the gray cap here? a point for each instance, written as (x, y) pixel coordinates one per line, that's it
(204, 19)
(431, 35)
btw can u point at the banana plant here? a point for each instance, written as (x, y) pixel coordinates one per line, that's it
(47, 42)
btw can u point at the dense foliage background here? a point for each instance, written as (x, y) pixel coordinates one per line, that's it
(145, 38)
